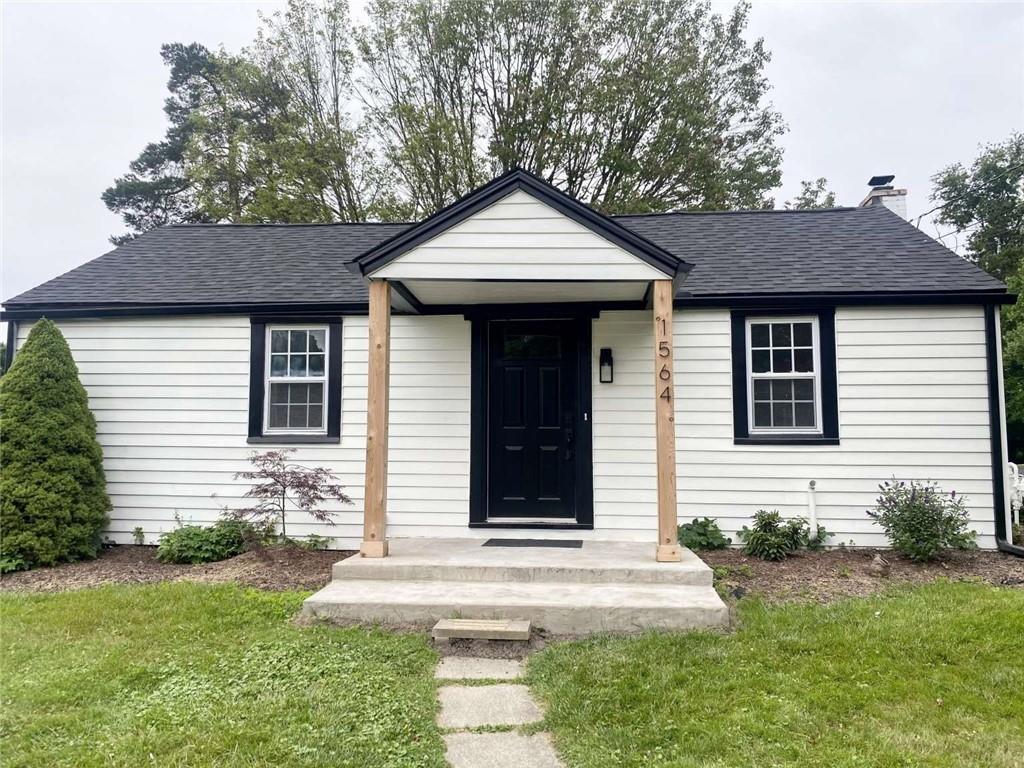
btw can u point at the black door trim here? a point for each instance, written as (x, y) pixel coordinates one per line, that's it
(479, 366)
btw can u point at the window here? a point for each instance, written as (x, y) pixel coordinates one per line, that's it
(532, 345)
(297, 374)
(784, 377)
(295, 381)
(784, 382)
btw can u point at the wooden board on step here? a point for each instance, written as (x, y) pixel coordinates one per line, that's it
(482, 629)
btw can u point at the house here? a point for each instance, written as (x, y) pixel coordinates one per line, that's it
(519, 361)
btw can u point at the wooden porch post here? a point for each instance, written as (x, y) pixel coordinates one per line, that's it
(375, 543)
(665, 423)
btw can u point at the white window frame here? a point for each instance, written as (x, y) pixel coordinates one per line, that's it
(269, 379)
(819, 428)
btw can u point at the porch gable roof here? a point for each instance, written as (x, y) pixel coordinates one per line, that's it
(595, 232)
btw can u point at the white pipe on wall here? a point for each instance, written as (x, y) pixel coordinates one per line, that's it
(812, 513)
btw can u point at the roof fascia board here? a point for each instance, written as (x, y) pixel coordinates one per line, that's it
(141, 310)
(360, 308)
(487, 195)
(846, 299)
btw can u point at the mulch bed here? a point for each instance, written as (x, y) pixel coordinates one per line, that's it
(274, 568)
(825, 576)
(809, 576)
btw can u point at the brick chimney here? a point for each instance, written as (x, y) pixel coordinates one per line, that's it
(883, 193)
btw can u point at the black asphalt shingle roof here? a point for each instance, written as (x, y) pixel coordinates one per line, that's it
(841, 250)
(835, 250)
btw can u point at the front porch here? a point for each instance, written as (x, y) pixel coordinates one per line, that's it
(531, 271)
(563, 587)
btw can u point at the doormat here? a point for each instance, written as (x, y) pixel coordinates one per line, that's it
(560, 543)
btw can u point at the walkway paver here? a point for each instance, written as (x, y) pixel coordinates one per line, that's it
(469, 668)
(465, 706)
(495, 704)
(500, 750)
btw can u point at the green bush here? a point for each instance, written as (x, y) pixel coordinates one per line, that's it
(920, 520)
(702, 534)
(314, 542)
(53, 497)
(772, 538)
(198, 544)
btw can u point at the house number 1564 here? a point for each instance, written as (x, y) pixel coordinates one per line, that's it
(665, 351)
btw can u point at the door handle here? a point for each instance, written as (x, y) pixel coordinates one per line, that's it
(570, 437)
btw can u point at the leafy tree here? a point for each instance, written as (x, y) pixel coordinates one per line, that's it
(262, 136)
(327, 169)
(987, 201)
(281, 482)
(156, 190)
(1013, 367)
(53, 499)
(813, 194)
(630, 106)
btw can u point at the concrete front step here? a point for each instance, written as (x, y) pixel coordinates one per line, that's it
(468, 560)
(560, 608)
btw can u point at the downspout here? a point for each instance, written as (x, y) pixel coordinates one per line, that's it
(1000, 476)
(12, 339)
(812, 513)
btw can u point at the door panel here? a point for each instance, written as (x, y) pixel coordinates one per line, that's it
(532, 414)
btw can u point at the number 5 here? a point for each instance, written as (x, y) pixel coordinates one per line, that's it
(664, 350)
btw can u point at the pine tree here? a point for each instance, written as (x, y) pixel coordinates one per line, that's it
(53, 498)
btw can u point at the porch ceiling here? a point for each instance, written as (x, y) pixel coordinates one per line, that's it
(459, 292)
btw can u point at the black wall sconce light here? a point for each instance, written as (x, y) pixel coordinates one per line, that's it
(606, 367)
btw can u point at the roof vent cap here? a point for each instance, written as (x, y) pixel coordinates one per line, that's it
(882, 193)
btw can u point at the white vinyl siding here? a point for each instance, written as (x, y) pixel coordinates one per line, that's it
(170, 396)
(518, 238)
(625, 463)
(913, 402)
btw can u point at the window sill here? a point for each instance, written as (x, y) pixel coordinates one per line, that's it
(292, 439)
(786, 440)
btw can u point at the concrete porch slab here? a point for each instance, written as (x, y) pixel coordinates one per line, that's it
(468, 560)
(600, 587)
(569, 608)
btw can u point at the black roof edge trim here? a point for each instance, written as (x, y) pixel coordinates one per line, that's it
(682, 301)
(129, 310)
(846, 299)
(513, 180)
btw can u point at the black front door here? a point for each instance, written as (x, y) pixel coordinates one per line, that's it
(534, 417)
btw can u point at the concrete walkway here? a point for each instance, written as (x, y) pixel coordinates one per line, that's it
(495, 705)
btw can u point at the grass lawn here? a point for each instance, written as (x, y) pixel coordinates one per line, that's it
(931, 676)
(199, 675)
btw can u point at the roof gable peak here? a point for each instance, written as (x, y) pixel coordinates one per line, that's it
(519, 180)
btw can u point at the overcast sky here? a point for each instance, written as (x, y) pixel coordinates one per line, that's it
(865, 88)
